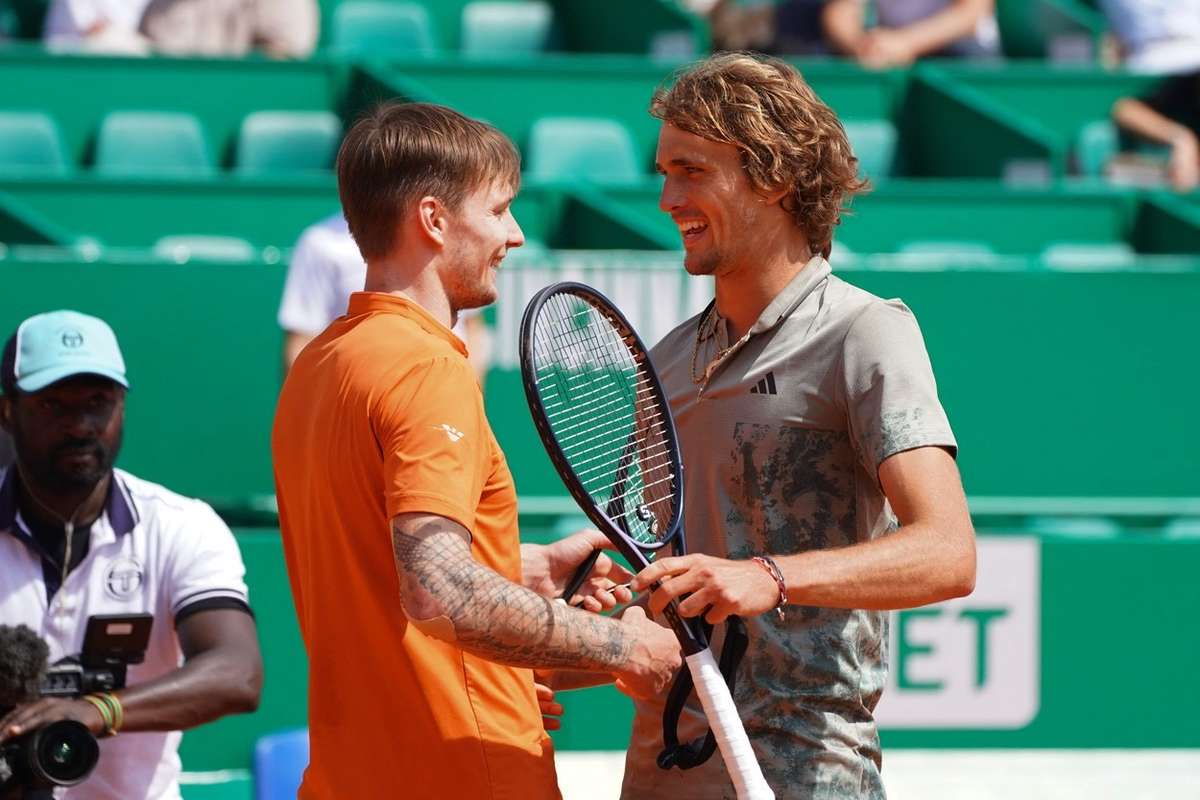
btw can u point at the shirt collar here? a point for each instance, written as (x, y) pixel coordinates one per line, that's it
(787, 301)
(383, 302)
(119, 508)
(795, 293)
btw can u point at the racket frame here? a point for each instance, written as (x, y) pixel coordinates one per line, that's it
(722, 714)
(639, 555)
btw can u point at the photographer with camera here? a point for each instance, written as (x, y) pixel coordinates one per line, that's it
(80, 539)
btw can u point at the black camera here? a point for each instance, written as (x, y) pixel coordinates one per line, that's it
(64, 753)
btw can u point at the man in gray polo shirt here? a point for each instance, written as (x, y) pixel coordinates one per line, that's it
(820, 476)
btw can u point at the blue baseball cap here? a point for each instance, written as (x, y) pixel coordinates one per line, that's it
(60, 344)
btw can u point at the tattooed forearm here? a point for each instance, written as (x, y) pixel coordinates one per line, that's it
(494, 617)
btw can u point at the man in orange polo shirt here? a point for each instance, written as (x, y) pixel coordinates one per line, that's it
(421, 612)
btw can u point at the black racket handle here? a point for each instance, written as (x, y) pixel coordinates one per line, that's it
(580, 575)
(690, 632)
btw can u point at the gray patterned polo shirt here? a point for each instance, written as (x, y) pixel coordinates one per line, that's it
(781, 440)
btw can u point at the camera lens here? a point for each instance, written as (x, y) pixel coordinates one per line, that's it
(62, 753)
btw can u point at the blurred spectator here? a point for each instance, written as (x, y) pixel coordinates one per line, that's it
(280, 28)
(98, 26)
(787, 27)
(1158, 37)
(1169, 115)
(740, 24)
(799, 30)
(1162, 37)
(906, 30)
(326, 267)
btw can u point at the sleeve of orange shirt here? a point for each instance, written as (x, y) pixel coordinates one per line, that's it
(433, 435)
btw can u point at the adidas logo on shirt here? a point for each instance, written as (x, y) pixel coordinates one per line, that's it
(766, 385)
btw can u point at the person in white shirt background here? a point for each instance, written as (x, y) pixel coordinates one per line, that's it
(326, 267)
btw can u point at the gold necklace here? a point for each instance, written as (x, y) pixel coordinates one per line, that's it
(701, 337)
(68, 522)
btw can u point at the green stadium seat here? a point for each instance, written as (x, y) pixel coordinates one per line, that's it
(1095, 146)
(567, 524)
(1182, 528)
(1074, 527)
(382, 29)
(30, 143)
(874, 145)
(1089, 256)
(181, 249)
(505, 28)
(938, 253)
(288, 141)
(840, 255)
(151, 143)
(532, 250)
(584, 148)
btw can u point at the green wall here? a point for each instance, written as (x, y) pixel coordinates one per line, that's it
(1056, 383)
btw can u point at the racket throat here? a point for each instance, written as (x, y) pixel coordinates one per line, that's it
(691, 635)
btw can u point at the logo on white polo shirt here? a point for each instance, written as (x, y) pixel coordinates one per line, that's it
(124, 577)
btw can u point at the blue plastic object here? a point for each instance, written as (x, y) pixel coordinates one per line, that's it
(279, 762)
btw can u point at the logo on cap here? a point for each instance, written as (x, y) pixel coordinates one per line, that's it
(72, 338)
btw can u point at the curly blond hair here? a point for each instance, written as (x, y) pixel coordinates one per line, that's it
(788, 138)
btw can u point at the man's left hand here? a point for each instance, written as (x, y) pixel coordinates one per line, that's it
(547, 568)
(550, 708)
(27, 718)
(717, 587)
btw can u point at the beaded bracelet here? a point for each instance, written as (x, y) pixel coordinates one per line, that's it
(111, 711)
(105, 712)
(768, 563)
(118, 711)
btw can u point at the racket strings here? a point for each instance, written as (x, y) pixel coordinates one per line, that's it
(603, 410)
(587, 408)
(609, 462)
(588, 431)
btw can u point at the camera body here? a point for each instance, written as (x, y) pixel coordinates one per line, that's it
(64, 753)
(70, 678)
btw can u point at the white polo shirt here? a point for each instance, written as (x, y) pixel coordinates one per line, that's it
(151, 551)
(326, 268)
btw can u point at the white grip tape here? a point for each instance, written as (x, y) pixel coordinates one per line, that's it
(727, 728)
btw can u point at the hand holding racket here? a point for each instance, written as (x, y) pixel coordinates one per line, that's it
(600, 411)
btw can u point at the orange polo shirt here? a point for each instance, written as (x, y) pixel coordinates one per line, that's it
(381, 415)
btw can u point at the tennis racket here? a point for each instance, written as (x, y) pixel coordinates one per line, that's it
(601, 413)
